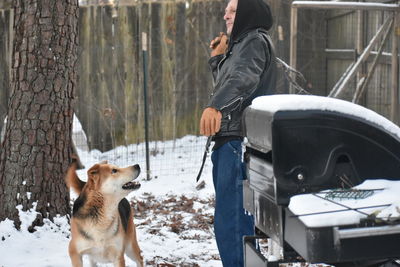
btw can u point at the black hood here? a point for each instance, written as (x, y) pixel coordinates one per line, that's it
(251, 14)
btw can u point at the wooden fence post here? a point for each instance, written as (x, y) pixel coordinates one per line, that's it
(394, 115)
(293, 42)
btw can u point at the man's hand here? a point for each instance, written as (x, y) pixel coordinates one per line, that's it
(219, 44)
(210, 122)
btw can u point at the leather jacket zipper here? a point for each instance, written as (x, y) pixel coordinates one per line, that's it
(218, 66)
(232, 102)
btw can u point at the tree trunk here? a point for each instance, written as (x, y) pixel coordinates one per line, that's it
(37, 148)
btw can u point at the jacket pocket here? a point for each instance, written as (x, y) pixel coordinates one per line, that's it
(234, 112)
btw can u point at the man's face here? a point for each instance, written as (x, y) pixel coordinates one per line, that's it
(229, 17)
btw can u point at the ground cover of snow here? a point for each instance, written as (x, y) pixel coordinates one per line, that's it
(173, 218)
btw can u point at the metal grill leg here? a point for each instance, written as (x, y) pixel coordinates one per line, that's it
(253, 257)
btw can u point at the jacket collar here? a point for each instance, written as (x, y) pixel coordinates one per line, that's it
(244, 35)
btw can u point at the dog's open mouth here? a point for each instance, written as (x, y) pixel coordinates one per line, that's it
(131, 186)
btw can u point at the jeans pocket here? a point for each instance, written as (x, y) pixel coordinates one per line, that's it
(236, 147)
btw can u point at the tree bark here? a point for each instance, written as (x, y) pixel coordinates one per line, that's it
(37, 147)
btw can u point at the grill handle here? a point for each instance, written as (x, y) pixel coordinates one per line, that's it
(340, 234)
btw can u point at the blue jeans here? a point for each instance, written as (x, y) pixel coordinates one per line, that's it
(230, 221)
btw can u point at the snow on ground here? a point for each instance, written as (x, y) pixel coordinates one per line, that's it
(173, 218)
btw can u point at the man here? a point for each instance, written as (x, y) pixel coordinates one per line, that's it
(243, 69)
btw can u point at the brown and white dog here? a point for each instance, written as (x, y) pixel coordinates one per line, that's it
(102, 220)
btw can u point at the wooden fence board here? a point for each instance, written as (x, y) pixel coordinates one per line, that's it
(110, 87)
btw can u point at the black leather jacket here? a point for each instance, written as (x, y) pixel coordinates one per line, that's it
(247, 70)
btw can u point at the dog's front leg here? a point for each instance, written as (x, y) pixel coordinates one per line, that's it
(120, 262)
(76, 258)
(92, 263)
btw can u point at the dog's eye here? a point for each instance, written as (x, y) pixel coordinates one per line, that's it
(114, 171)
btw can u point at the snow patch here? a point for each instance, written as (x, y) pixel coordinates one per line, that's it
(386, 193)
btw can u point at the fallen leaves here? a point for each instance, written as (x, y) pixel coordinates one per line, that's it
(190, 218)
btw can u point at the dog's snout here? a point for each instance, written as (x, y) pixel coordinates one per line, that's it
(136, 167)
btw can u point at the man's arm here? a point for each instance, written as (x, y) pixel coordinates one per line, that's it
(210, 121)
(244, 78)
(213, 63)
(218, 48)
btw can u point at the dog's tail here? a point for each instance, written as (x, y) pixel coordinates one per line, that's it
(72, 180)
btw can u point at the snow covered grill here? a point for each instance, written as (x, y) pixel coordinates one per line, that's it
(302, 145)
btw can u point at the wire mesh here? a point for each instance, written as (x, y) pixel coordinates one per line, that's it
(180, 156)
(342, 194)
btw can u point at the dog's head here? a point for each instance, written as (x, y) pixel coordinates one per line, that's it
(109, 179)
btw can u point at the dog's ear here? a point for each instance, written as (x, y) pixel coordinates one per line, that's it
(94, 170)
(94, 174)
